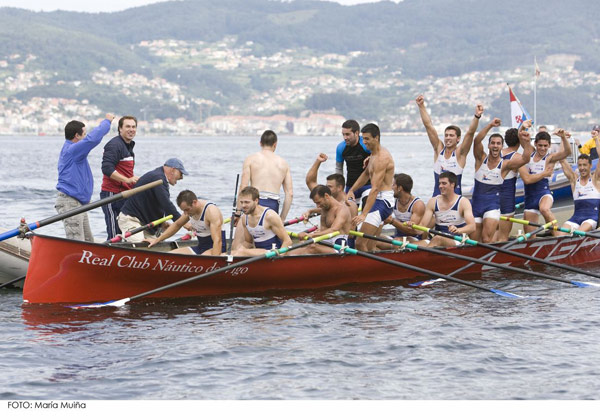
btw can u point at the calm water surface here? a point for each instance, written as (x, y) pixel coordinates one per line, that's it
(382, 341)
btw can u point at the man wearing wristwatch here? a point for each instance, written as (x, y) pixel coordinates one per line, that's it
(449, 155)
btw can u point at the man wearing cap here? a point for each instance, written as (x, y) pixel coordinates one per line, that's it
(152, 204)
(589, 147)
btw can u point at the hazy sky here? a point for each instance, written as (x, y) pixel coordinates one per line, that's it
(105, 5)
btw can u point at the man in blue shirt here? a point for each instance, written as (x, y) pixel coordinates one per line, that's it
(354, 152)
(75, 181)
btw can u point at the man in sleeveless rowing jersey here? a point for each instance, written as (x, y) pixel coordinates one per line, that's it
(152, 204)
(335, 182)
(335, 216)
(380, 201)
(118, 161)
(353, 152)
(586, 194)
(451, 212)
(75, 181)
(509, 186)
(267, 172)
(490, 172)
(261, 226)
(205, 219)
(536, 175)
(449, 155)
(407, 208)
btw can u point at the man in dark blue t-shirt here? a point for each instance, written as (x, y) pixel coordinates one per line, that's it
(352, 151)
(152, 204)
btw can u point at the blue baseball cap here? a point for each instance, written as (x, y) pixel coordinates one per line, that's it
(177, 164)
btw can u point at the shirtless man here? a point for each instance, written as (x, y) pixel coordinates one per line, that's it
(335, 216)
(449, 155)
(452, 212)
(380, 201)
(586, 194)
(267, 172)
(261, 226)
(538, 198)
(205, 219)
(335, 182)
(407, 208)
(490, 171)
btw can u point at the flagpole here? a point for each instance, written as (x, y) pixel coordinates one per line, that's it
(535, 121)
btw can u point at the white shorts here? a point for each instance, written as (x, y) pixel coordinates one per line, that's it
(575, 226)
(490, 214)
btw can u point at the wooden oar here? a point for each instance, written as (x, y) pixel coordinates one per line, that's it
(471, 259)
(31, 226)
(420, 270)
(127, 234)
(13, 281)
(509, 252)
(233, 210)
(268, 254)
(558, 228)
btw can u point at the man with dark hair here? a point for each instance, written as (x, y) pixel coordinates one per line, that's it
(118, 161)
(586, 193)
(449, 155)
(205, 219)
(535, 175)
(335, 182)
(380, 201)
(267, 172)
(75, 180)
(490, 172)
(335, 217)
(509, 186)
(152, 204)
(353, 151)
(261, 227)
(451, 212)
(407, 208)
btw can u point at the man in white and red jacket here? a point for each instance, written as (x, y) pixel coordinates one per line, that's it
(118, 161)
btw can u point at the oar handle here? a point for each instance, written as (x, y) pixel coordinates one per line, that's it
(78, 210)
(127, 234)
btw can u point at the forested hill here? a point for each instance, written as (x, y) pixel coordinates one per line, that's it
(437, 37)
(406, 43)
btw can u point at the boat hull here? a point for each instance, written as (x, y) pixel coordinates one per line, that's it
(62, 270)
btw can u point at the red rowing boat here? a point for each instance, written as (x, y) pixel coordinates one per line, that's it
(62, 270)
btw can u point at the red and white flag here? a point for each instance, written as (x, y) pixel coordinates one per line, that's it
(518, 113)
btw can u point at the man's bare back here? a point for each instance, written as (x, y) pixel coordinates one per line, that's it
(265, 171)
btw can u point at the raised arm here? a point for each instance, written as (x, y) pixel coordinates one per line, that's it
(478, 152)
(518, 161)
(596, 175)
(565, 147)
(569, 172)
(311, 175)
(465, 146)
(434, 139)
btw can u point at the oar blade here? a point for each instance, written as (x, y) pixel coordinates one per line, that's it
(426, 282)
(584, 284)
(507, 294)
(114, 303)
